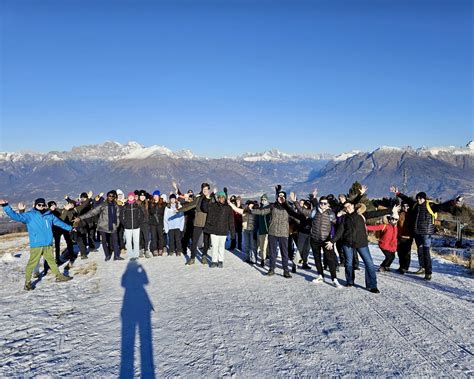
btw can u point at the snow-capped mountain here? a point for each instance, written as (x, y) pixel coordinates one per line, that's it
(440, 171)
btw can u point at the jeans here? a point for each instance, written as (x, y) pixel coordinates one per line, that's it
(132, 242)
(370, 273)
(249, 246)
(423, 242)
(273, 243)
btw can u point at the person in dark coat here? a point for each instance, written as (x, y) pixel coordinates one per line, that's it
(353, 234)
(131, 218)
(156, 211)
(424, 213)
(219, 223)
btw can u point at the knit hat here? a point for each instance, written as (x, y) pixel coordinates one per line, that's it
(264, 197)
(120, 192)
(164, 197)
(172, 196)
(156, 193)
(143, 193)
(40, 200)
(282, 194)
(84, 195)
(421, 195)
(221, 194)
(51, 203)
(131, 194)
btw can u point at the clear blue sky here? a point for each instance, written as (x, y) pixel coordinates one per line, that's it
(230, 76)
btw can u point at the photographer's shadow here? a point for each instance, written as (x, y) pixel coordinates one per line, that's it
(136, 314)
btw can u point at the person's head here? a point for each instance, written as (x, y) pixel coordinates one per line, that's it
(405, 207)
(393, 220)
(164, 197)
(205, 188)
(264, 200)
(238, 201)
(84, 196)
(342, 198)
(281, 197)
(142, 195)
(156, 195)
(111, 196)
(131, 197)
(120, 195)
(137, 194)
(301, 202)
(233, 199)
(52, 205)
(40, 205)
(348, 207)
(222, 197)
(420, 197)
(323, 203)
(173, 198)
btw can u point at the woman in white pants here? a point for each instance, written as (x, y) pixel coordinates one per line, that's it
(219, 222)
(131, 217)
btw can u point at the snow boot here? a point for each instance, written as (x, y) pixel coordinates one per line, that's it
(220, 264)
(63, 278)
(428, 277)
(306, 266)
(271, 272)
(190, 262)
(287, 275)
(147, 254)
(28, 286)
(214, 265)
(374, 290)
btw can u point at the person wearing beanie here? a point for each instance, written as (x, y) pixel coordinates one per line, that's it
(219, 222)
(107, 225)
(39, 222)
(262, 225)
(156, 211)
(131, 218)
(144, 203)
(121, 200)
(424, 212)
(238, 222)
(248, 226)
(278, 230)
(198, 224)
(64, 215)
(174, 226)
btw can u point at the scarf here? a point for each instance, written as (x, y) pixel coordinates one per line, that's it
(112, 215)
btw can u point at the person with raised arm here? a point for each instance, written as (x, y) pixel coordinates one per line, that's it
(424, 213)
(39, 222)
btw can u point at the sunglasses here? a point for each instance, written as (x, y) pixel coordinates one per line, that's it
(41, 205)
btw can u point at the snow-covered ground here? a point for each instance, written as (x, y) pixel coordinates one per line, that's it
(233, 321)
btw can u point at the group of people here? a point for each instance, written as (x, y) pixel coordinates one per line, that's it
(145, 225)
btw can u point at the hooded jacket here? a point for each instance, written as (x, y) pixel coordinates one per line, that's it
(220, 218)
(39, 225)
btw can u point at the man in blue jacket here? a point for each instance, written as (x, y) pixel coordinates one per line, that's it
(39, 222)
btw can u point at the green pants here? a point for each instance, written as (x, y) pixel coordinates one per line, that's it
(35, 256)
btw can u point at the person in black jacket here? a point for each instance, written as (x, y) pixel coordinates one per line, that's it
(424, 212)
(353, 234)
(219, 222)
(131, 218)
(156, 211)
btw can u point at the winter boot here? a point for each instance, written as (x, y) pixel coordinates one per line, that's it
(421, 271)
(155, 253)
(271, 272)
(28, 286)
(374, 290)
(306, 266)
(204, 259)
(293, 269)
(63, 278)
(220, 265)
(287, 275)
(147, 254)
(190, 262)
(213, 264)
(141, 254)
(428, 277)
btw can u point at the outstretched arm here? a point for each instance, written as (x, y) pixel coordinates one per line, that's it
(20, 217)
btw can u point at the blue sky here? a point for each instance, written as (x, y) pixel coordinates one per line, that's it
(230, 76)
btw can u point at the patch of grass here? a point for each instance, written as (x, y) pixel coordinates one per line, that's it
(88, 269)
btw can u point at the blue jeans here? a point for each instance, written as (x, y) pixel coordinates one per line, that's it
(249, 246)
(370, 273)
(423, 243)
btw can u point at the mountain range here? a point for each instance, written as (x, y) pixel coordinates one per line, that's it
(442, 172)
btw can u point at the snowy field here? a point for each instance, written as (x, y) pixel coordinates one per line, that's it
(232, 321)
